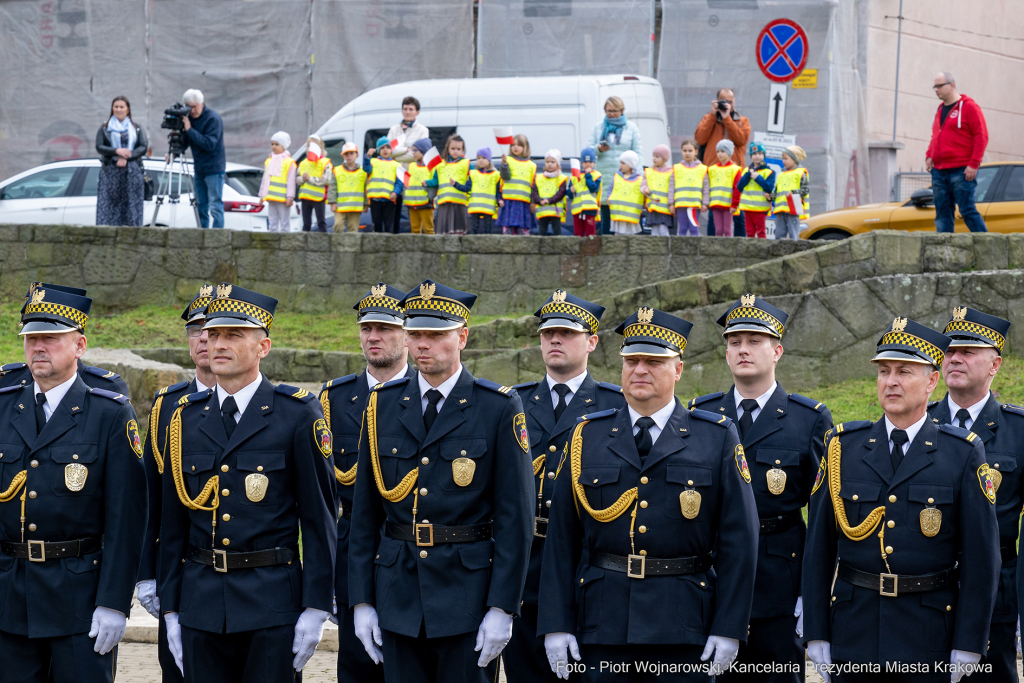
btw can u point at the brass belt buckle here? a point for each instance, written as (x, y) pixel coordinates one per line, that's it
(223, 555)
(636, 566)
(540, 527)
(429, 528)
(895, 585)
(42, 551)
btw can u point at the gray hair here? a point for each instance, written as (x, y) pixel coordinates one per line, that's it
(192, 96)
(947, 77)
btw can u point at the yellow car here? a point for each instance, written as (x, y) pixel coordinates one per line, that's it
(999, 198)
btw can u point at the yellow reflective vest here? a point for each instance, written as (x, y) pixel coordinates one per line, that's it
(382, 179)
(753, 198)
(546, 189)
(789, 181)
(722, 180)
(483, 199)
(582, 198)
(315, 169)
(452, 170)
(277, 189)
(416, 192)
(626, 201)
(657, 182)
(351, 189)
(519, 186)
(689, 189)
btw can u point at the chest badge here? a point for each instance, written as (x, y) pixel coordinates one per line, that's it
(463, 470)
(996, 477)
(689, 503)
(75, 476)
(931, 521)
(256, 487)
(776, 481)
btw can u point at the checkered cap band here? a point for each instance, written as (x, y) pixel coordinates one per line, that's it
(573, 311)
(200, 302)
(751, 313)
(974, 328)
(902, 339)
(251, 311)
(655, 334)
(438, 305)
(67, 313)
(380, 303)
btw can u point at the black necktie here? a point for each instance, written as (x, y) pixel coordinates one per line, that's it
(430, 414)
(227, 413)
(561, 390)
(963, 416)
(898, 438)
(749, 405)
(40, 415)
(643, 438)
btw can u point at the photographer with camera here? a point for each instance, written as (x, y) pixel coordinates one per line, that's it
(720, 123)
(204, 133)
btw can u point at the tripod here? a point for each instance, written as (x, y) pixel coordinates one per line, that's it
(174, 170)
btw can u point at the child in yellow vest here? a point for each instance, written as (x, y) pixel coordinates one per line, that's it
(691, 190)
(755, 187)
(314, 177)
(383, 185)
(278, 186)
(547, 194)
(417, 199)
(723, 177)
(585, 195)
(517, 172)
(346, 195)
(626, 201)
(658, 186)
(791, 193)
(485, 199)
(453, 187)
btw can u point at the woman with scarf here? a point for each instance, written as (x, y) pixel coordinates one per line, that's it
(611, 137)
(403, 136)
(121, 144)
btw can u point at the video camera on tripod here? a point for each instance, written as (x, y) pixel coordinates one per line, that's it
(170, 187)
(174, 122)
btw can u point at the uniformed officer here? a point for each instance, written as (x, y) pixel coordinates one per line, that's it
(652, 545)
(382, 340)
(155, 449)
(249, 463)
(446, 471)
(782, 435)
(72, 506)
(98, 378)
(568, 335)
(895, 506)
(968, 367)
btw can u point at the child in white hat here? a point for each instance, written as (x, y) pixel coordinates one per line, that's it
(626, 200)
(278, 186)
(548, 192)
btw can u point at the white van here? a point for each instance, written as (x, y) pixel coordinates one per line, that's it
(553, 112)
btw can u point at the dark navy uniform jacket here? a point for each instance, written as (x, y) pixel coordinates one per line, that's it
(97, 378)
(343, 401)
(449, 587)
(164, 403)
(604, 607)
(91, 428)
(547, 441)
(788, 435)
(942, 465)
(1001, 429)
(276, 437)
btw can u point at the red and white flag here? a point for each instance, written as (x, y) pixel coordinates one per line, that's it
(691, 216)
(393, 143)
(313, 152)
(574, 164)
(403, 175)
(432, 158)
(796, 204)
(504, 135)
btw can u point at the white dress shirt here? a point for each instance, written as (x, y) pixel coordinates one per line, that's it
(53, 396)
(761, 400)
(373, 381)
(202, 387)
(242, 396)
(574, 385)
(974, 410)
(660, 419)
(911, 431)
(445, 389)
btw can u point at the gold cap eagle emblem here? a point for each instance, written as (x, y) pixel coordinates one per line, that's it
(558, 296)
(959, 313)
(223, 291)
(206, 290)
(645, 315)
(378, 291)
(38, 295)
(747, 300)
(427, 290)
(899, 324)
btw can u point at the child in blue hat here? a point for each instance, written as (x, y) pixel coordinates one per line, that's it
(383, 186)
(585, 195)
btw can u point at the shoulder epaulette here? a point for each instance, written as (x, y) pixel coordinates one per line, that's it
(173, 387)
(1010, 408)
(965, 434)
(195, 397)
(844, 427)
(525, 385)
(100, 372)
(722, 420)
(704, 399)
(9, 367)
(493, 386)
(294, 392)
(391, 383)
(817, 406)
(112, 395)
(339, 381)
(608, 385)
(932, 404)
(4, 390)
(598, 415)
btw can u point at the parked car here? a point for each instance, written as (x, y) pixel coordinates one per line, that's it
(999, 198)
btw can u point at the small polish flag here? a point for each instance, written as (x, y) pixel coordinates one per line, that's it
(403, 176)
(313, 153)
(796, 204)
(504, 135)
(691, 216)
(393, 143)
(432, 158)
(574, 164)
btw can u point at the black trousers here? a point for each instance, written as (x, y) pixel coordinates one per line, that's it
(68, 659)
(354, 665)
(619, 663)
(262, 656)
(435, 660)
(554, 223)
(739, 226)
(479, 224)
(770, 640)
(1002, 655)
(308, 207)
(168, 669)
(383, 214)
(524, 657)
(396, 221)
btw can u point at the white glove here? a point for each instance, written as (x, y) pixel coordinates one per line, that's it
(333, 616)
(962, 663)
(725, 650)
(147, 597)
(364, 619)
(174, 639)
(493, 635)
(1017, 639)
(820, 652)
(107, 628)
(799, 614)
(309, 629)
(555, 644)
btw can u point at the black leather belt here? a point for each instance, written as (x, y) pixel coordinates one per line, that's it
(1007, 552)
(40, 551)
(222, 560)
(774, 525)
(430, 534)
(891, 585)
(641, 566)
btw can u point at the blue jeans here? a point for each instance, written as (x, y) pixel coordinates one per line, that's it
(949, 187)
(209, 191)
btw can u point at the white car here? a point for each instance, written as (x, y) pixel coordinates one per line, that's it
(64, 192)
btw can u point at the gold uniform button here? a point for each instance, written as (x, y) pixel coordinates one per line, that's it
(997, 466)
(423, 553)
(342, 451)
(931, 500)
(34, 463)
(552, 449)
(551, 475)
(643, 480)
(31, 494)
(643, 503)
(890, 524)
(702, 583)
(394, 450)
(223, 468)
(259, 468)
(423, 492)
(643, 529)
(462, 452)
(778, 462)
(892, 499)
(31, 527)
(595, 481)
(855, 496)
(888, 550)
(75, 456)
(581, 580)
(226, 541)
(949, 608)
(794, 554)
(689, 482)
(193, 468)
(548, 503)
(833, 598)
(225, 492)
(643, 552)
(425, 460)
(226, 517)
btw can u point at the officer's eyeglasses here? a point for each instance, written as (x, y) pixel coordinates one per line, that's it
(941, 85)
(194, 330)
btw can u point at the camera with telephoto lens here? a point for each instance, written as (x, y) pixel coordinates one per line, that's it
(722, 104)
(173, 122)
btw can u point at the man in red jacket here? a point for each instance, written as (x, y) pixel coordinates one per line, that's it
(959, 139)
